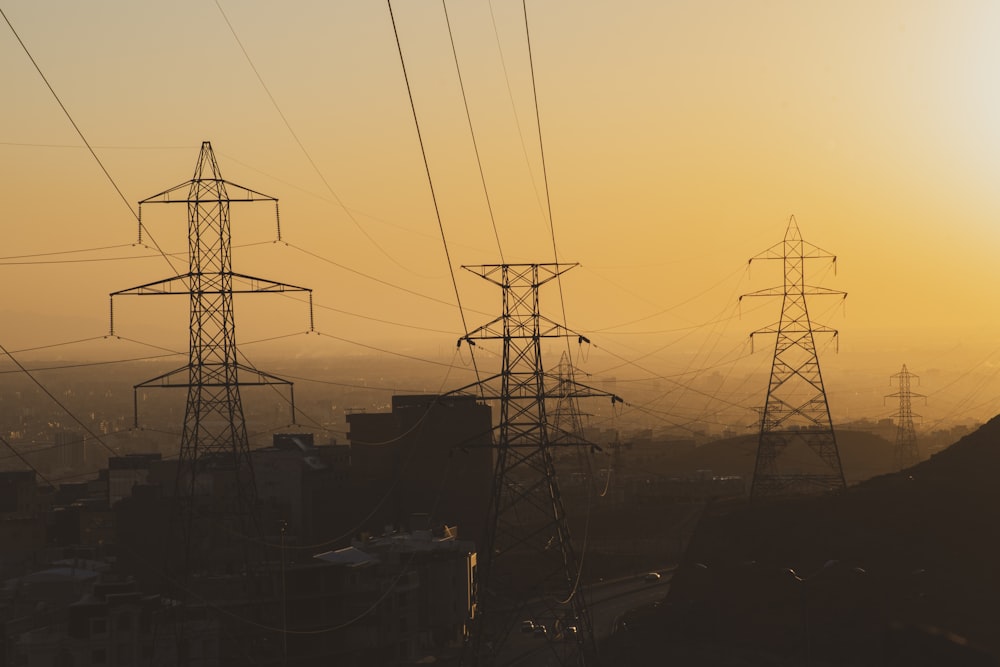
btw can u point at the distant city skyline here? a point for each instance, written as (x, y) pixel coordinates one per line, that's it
(678, 140)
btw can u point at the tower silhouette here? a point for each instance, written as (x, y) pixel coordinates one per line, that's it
(529, 567)
(566, 423)
(796, 416)
(215, 492)
(906, 451)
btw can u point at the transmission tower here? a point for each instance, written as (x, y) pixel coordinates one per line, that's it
(216, 513)
(906, 452)
(796, 417)
(529, 568)
(566, 422)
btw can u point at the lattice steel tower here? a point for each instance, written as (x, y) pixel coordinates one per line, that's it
(906, 452)
(215, 489)
(566, 423)
(528, 565)
(797, 447)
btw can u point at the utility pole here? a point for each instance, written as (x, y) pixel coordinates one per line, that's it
(796, 417)
(906, 451)
(529, 569)
(216, 524)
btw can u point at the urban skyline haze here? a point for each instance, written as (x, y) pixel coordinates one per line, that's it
(678, 139)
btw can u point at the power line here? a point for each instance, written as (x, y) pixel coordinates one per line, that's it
(662, 311)
(380, 320)
(654, 375)
(86, 364)
(67, 252)
(513, 108)
(373, 278)
(472, 133)
(302, 147)
(83, 138)
(382, 349)
(430, 180)
(104, 259)
(72, 342)
(365, 214)
(56, 400)
(76, 261)
(75, 147)
(545, 171)
(25, 462)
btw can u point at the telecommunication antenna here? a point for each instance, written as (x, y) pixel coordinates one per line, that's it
(528, 566)
(906, 451)
(215, 490)
(796, 417)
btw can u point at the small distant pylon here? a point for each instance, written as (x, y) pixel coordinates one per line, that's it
(566, 422)
(906, 452)
(528, 565)
(215, 490)
(796, 412)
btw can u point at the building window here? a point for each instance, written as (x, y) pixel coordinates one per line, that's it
(63, 659)
(98, 626)
(125, 622)
(98, 656)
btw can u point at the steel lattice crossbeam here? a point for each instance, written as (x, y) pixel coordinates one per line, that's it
(796, 414)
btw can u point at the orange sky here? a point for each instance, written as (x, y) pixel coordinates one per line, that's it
(679, 138)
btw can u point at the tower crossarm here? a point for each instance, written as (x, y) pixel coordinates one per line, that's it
(774, 329)
(911, 394)
(808, 251)
(505, 275)
(182, 285)
(211, 193)
(793, 246)
(175, 285)
(563, 388)
(778, 328)
(265, 285)
(807, 290)
(257, 378)
(246, 376)
(503, 328)
(172, 196)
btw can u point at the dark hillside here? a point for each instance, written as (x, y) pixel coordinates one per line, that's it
(862, 454)
(890, 571)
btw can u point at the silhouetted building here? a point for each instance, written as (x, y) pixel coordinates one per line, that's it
(284, 472)
(19, 494)
(71, 450)
(109, 623)
(431, 575)
(125, 472)
(431, 454)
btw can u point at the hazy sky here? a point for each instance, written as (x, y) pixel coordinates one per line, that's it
(679, 138)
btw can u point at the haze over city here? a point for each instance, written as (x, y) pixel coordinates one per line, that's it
(554, 284)
(678, 138)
